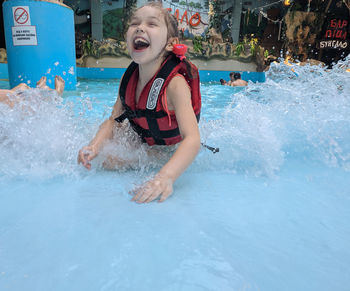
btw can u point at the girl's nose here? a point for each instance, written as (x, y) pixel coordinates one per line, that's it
(139, 28)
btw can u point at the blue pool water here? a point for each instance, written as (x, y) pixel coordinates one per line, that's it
(270, 211)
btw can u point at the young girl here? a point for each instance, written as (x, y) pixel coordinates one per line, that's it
(159, 95)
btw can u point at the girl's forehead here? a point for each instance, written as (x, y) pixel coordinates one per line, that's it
(147, 12)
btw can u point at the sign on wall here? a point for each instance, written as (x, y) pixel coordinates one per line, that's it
(191, 20)
(335, 36)
(23, 33)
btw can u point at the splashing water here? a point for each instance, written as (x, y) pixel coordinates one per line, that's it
(300, 112)
(39, 136)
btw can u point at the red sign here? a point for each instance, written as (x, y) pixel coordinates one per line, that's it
(194, 20)
(337, 29)
(21, 16)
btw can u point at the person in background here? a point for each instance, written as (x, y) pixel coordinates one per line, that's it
(5, 95)
(236, 80)
(223, 82)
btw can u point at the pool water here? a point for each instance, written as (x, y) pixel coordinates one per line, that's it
(270, 211)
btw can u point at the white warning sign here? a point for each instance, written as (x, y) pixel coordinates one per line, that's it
(24, 35)
(21, 15)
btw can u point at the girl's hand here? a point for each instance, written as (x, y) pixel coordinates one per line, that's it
(87, 154)
(160, 186)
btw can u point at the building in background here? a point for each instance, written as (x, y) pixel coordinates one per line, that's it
(249, 30)
(106, 17)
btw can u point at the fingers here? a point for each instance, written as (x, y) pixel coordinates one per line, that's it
(85, 156)
(152, 197)
(83, 160)
(165, 195)
(145, 193)
(152, 190)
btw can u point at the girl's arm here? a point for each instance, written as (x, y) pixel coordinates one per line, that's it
(179, 98)
(105, 132)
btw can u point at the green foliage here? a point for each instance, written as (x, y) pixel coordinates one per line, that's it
(239, 48)
(215, 19)
(195, 5)
(191, 4)
(87, 47)
(253, 45)
(197, 44)
(266, 53)
(112, 24)
(250, 42)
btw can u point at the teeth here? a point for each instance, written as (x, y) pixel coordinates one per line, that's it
(140, 43)
(140, 40)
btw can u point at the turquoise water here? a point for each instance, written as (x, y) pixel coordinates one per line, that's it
(270, 211)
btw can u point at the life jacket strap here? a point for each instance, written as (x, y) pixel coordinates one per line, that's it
(121, 117)
(129, 114)
(144, 133)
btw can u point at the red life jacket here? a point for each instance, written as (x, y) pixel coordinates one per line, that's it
(148, 118)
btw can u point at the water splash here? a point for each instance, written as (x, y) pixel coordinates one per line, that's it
(300, 112)
(39, 136)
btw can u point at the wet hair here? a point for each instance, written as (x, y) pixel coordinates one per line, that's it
(237, 76)
(222, 81)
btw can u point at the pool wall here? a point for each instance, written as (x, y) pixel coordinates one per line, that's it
(116, 73)
(39, 42)
(3, 71)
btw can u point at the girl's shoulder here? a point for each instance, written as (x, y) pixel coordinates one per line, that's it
(178, 81)
(177, 89)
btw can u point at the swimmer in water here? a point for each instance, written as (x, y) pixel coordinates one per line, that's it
(236, 80)
(223, 82)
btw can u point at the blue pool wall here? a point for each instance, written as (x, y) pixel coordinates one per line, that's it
(3, 71)
(205, 75)
(116, 73)
(51, 48)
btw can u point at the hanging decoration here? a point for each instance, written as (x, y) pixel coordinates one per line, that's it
(279, 30)
(248, 14)
(279, 21)
(268, 5)
(259, 17)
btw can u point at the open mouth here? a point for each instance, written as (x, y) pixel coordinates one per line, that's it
(140, 43)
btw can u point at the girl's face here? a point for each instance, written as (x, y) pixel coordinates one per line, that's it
(147, 35)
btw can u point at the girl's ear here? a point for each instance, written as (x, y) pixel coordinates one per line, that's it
(171, 42)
